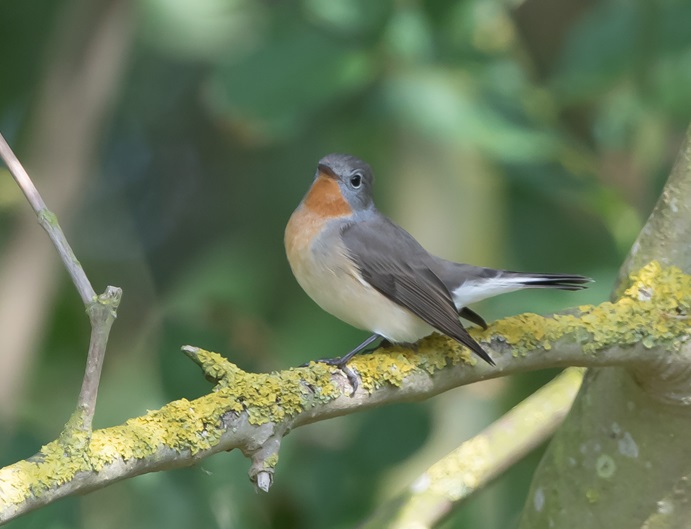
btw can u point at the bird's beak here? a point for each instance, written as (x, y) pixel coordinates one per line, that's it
(325, 170)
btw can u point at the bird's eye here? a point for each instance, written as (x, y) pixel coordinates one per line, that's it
(356, 180)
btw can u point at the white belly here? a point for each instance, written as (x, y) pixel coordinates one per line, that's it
(330, 278)
(339, 292)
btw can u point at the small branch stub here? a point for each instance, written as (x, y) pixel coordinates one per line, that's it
(265, 459)
(264, 481)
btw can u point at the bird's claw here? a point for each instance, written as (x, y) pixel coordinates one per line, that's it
(342, 365)
(350, 375)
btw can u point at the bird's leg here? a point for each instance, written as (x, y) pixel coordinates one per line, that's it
(341, 361)
(362, 348)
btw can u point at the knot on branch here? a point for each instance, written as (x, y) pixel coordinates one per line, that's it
(76, 434)
(103, 308)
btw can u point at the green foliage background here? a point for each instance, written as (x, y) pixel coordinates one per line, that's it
(528, 135)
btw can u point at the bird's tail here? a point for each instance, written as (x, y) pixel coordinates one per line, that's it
(560, 281)
(485, 283)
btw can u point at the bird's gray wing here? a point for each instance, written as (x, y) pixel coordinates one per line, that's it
(395, 264)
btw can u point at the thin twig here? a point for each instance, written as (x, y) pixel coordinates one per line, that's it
(101, 309)
(47, 219)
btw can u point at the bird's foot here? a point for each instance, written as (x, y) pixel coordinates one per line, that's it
(341, 362)
(342, 365)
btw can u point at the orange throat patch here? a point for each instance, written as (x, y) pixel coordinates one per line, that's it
(325, 199)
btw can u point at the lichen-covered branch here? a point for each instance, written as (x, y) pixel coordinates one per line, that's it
(253, 412)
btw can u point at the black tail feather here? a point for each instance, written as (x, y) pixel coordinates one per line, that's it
(560, 281)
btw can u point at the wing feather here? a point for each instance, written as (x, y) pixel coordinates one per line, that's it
(395, 264)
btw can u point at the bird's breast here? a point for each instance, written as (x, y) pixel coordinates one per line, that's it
(320, 262)
(316, 253)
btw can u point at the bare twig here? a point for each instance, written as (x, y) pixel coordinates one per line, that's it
(101, 309)
(476, 462)
(102, 314)
(49, 223)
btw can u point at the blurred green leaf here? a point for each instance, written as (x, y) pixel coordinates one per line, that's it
(408, 36)
(671, 81)
(599, 49)
(616, 40)
(274, 91)
(351, 17)
(446, 105)
(202, 29)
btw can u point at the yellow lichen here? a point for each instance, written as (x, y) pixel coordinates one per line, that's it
(395, 363)
(270, 462)
(457, 473)
(592, 496)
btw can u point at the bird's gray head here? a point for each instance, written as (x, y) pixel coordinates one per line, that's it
(354, 178)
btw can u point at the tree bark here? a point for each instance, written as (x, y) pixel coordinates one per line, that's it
(622, 457)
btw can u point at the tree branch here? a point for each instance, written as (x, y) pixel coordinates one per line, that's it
(101, 309)
(253, 412)
(478, 461)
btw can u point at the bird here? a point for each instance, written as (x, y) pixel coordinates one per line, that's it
(361, 267)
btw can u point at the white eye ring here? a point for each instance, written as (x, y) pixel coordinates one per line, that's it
(356, 180)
